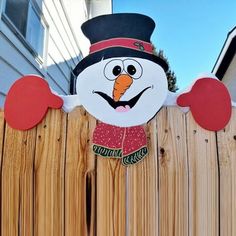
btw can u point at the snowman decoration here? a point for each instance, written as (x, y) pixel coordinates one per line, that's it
(122, 84)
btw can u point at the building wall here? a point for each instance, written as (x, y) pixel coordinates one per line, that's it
(65, 46)
(229, 79)
(99, 7)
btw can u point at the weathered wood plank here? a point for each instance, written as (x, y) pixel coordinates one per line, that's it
(142, 190)
(173, 172)
(2, 131)
(129, 201)
(227, 165)
(49, 175)
(17, 182)
(79, 175)
(203, 180)
(110, 199)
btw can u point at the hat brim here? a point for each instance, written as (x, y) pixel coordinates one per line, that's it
(117, 52)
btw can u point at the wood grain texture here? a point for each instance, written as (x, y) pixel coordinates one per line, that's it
(17, 182)
(173, 172)
(2, 131)
(79, 175)
(203, 180)
(227, 165)
(110, 198)
(52, 184)
(49, 175)
(142, 190)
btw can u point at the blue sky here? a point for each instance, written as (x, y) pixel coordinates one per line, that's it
(191, 32)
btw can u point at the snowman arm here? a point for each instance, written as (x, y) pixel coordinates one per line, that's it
(171, 101)
(70, 102)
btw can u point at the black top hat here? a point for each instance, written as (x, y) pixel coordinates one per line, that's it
(119, 35)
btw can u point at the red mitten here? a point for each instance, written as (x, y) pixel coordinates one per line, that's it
(27, 102)
(209, 102)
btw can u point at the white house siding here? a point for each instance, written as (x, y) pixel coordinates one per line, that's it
(99, 7)
(77, 11)
(90, 8)
(229, 78)
(64, 43)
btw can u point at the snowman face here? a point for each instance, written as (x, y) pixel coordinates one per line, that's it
(122, 91)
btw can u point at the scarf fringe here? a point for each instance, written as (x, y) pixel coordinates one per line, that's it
(129, 159)
(135, 157)
(107, 152)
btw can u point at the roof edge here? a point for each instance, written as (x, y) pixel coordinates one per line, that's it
(224, 51)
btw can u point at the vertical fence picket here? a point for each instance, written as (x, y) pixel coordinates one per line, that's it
(110, 199)
(173, 172)
(203, 180)
(2, 125)
(80, 175)
(227, 165)
(2, 131)
(142, 190)
(17, 182)
(49, 175)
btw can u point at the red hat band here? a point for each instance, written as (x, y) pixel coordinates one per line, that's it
(134, 44)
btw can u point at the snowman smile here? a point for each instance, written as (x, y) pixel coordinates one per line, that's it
(121, 106)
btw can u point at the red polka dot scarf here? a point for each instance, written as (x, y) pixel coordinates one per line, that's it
(129, 144)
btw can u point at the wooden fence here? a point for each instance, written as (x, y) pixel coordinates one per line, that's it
(53, 185)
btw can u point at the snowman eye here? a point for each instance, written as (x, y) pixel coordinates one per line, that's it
(133, 68)
(116, 70)
(113, 68)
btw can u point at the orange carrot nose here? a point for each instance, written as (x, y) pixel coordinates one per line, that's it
(122, 83)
